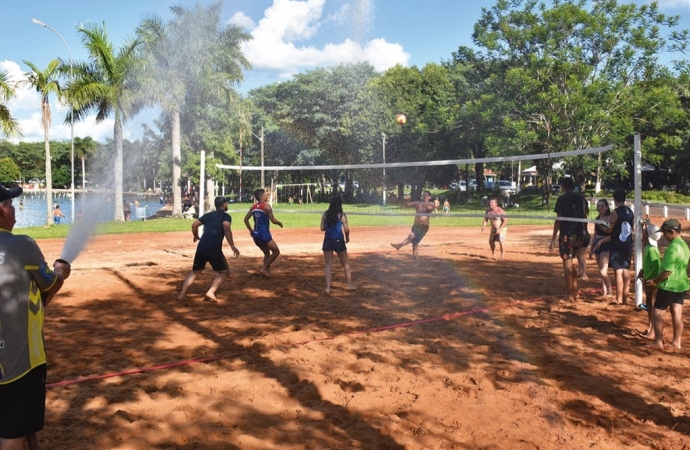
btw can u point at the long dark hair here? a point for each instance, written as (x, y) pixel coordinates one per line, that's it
(608, 208)
(334, 211)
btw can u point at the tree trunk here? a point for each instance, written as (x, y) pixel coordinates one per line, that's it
(117, 134)
(49, 180)
(177, 165)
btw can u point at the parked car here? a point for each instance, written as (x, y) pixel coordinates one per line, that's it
(489, 185)
(463, 186)
(504, 187)
(531, 190)
(472, 186)
(453, 185)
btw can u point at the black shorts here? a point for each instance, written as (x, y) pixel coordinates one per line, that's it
(619, 260)
(664, 299)
(419, 232)
(334, 245)
(218, 262)
(26, 398)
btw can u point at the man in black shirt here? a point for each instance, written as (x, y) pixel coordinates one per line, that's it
(570, 233)
(210, 249)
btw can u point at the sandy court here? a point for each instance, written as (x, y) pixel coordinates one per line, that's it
(460, 352)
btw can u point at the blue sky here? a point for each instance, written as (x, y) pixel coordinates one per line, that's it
(290, 36)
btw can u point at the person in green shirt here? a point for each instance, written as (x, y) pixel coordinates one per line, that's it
(673, 284)
(651, 261)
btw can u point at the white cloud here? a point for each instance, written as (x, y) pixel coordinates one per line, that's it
(288, 22)
(25, 108)
(242, 20)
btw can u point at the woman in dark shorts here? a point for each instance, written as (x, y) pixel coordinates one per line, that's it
(600, 245)
(337, 234)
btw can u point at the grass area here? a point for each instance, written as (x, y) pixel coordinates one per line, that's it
(309, 216)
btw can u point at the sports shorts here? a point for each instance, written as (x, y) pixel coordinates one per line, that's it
(569, 244)
(261, 239)
(419, 233)
(334, 245)
(23, 404)
(664, 299)
(217, 261)
(619, 260)
(495, 236)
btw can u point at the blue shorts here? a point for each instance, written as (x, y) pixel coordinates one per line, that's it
(261, 239)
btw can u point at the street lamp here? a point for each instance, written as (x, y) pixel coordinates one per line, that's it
(383, 143)
(261, 139)
(71, 118)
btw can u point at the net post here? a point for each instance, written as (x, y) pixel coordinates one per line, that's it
(637, 163)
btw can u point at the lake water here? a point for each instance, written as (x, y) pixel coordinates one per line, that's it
(33, 212)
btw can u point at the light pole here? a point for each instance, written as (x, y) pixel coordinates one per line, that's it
(383, 143)
(261, 139)
(71, 118)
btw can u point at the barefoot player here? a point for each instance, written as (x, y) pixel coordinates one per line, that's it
(421, 223)
(263, 216)
(210, 249)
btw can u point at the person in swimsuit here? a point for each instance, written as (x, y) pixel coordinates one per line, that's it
(420, 227)
(601, 245)
(263, 216)
(498, 226)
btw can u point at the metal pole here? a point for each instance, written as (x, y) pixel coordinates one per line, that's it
(383, 142)
(637, 161)
(71, 119)
(262, 157)
(240, 167)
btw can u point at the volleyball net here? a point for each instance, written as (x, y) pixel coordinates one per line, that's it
(380, 189)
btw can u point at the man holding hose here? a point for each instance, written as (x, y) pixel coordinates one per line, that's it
(27, 284)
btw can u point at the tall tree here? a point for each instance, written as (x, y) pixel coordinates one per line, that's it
(187, 57)
(106, 84)
(46, 82)
(8, 125)
(84, 147)
(569, 71)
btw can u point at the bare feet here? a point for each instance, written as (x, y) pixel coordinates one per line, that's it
(327, 291)
(655, 346)
(396, 246)
(351, 288)
(265, 272)
(209, 297)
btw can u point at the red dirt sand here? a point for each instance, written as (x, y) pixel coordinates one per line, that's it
(519, 369)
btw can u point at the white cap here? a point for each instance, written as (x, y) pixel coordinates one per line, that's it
(653, 234)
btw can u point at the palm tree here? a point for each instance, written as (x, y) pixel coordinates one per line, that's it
(105, 84)
(46, 83)
(188, 55)
(84, 147)
(8, 125)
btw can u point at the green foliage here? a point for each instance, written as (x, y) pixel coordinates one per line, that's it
(670, 197)
(9, 171)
